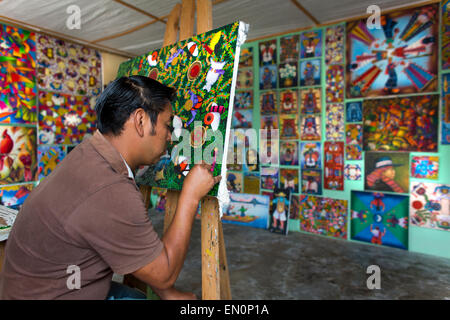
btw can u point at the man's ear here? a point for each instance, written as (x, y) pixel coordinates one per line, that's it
(139, 121)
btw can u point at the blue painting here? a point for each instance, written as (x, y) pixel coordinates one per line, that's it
(381, 219)
(400, 57)
(310, 72)
(353, 111)
(268, 77)
(248, 210)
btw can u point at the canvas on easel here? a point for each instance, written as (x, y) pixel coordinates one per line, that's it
(203, 69)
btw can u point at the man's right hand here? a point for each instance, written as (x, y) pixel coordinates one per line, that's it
(199, 182)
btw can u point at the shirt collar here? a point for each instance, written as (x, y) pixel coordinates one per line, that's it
(130, 173)
(110, 154)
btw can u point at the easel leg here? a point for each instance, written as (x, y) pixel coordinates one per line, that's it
(171, 207)
(146, 194)
(215, 278)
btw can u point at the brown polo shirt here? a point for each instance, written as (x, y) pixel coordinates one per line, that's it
(86, 213)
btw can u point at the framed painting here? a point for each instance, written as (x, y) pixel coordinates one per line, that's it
(310, 72)
(387, 171)
(333, 154)
(65, 119)
(18, 154)
(399, 58)
(67, 67)
(380, 219)
(401, 124)
(247, 210)
(17, 75)
(209, 75)
(289, 49)
(430, 205)
(324, 216)
(334, 44)
(311, 44)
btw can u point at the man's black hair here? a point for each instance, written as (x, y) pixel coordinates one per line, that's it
(124, 95)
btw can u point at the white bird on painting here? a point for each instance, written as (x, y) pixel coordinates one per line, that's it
(214, 73)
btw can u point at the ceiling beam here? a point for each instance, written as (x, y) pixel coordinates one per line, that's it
(139, 27)
(306, 12)
(148, 14)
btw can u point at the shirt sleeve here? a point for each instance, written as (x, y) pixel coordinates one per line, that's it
(114, 222)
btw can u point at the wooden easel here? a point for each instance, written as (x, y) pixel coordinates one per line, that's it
(215, 276)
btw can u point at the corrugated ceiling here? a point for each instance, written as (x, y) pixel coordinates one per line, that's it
(101, 19)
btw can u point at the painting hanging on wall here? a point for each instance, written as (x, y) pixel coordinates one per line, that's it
(288, 75)
(48, 158)
(310, 72)
(243, 100)
(208, 75)
(430, 205)
(324, 216)
(251, 182)
(425, 167)
(288, 101)
(251, 160)
(289, 127)
(399, 58)
(311, 44)
(310, 127)
(269, 178)
(446, 35)
(65, 119)
(352, 172)
(289, 51)
(353, 134)
(268, 52)
(289, 179)
(18, 154)
(312, 181)
(269, 152)
(269, 122)
(334, 44)
(234, 181)
(14, 196)
(333, 154)
(17, 76)
(244, 78)
(289, 153)
(311, 101)
(445, 138)
(380, 219)
(268, 77)
(387, 171)
(247, 210)
(334, 86)
(335, 124)
(242, 118)
(401, 124)
(268, 102)
(246, 57)
(279, 211)
(353, 111)
(67, 67)
(310, 155)
(353, 152)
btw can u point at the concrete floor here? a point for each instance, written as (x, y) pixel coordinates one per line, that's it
(264, 265)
